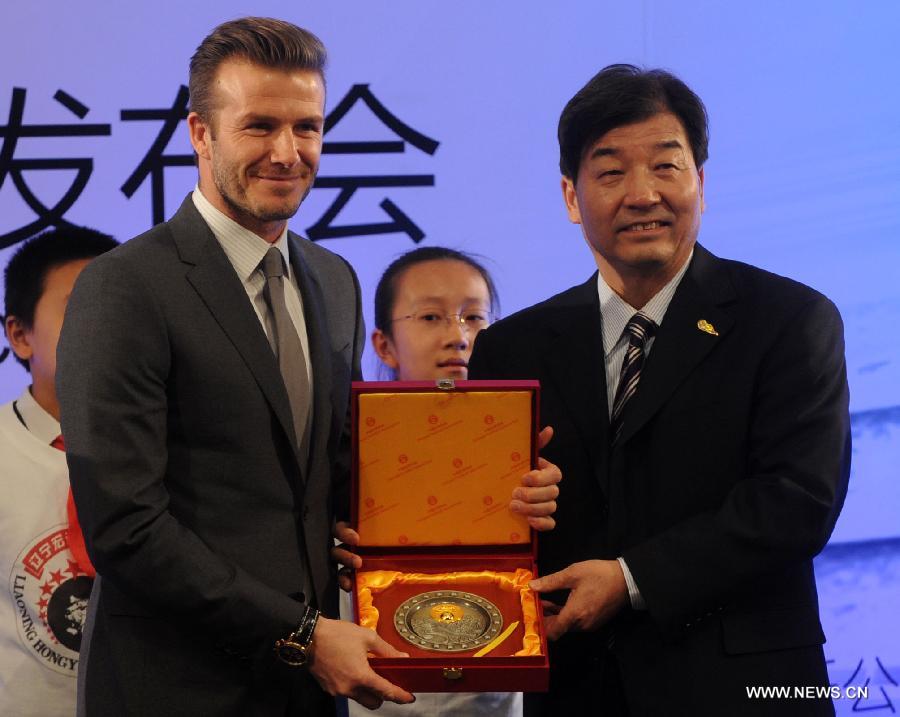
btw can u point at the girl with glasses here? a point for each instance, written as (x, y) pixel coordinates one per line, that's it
(429, 305)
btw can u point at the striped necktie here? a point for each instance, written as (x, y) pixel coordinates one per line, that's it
(639, 330)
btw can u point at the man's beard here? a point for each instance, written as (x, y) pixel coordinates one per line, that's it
(233, 194)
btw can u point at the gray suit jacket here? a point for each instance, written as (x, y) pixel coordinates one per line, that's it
(195, 506)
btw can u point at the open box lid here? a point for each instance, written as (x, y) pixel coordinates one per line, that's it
(435, 463)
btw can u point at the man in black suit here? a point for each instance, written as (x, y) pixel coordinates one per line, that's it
(701, 415)
(204, 377)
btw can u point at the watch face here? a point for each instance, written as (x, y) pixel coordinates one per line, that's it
(291, 653)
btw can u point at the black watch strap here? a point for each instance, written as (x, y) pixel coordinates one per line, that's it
(293, 650)
(307, 626)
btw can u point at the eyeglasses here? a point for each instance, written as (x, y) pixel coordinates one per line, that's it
(429, 319)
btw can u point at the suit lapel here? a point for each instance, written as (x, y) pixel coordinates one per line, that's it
(680, 345)
(319, 350)
(213, 277)
(575, 364)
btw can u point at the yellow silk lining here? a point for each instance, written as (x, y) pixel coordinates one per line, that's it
(374, 581)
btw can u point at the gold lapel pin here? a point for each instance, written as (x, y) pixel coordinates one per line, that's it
(707, 327)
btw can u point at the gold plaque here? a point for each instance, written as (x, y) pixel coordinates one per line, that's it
(448, 621)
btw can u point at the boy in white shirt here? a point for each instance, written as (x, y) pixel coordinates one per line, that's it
(42, 558)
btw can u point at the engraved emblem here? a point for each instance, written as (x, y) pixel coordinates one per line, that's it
(448, 621)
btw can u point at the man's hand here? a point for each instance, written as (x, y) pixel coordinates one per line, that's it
(338, 661)
(342, 555)
(536, 497)
(598, 592)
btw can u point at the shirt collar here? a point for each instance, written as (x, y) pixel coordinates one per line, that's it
(616, 312)
(245, 250)
(39, 423)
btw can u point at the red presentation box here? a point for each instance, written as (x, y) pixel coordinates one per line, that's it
(434, 467)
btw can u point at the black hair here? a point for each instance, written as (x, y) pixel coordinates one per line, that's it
(385, 293)
(27, 270)
(619, 95)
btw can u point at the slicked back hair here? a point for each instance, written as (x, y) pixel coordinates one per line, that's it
(260, 40)
(620, 95)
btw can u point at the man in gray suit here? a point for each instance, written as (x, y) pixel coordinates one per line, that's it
(204, 375)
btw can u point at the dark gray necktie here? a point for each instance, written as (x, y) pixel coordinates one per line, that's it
(288, 349)
(639, 330)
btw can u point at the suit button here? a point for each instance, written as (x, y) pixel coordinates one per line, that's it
(305, 512)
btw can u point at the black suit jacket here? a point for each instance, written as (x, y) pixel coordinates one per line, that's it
(195, 506)
(726, 481)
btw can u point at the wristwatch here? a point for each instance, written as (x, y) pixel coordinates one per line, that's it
(294, 649)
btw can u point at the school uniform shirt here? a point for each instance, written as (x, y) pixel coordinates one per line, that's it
(44, 599)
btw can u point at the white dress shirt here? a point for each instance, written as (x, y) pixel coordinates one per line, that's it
(245, 250)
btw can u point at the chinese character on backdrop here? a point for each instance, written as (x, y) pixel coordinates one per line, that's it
(155, 161)
(879, 683)
(14, 167)
(325, 228)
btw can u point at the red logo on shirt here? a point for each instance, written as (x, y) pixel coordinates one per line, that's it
(50, 594)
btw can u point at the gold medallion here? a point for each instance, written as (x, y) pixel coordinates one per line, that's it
(448, 621)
